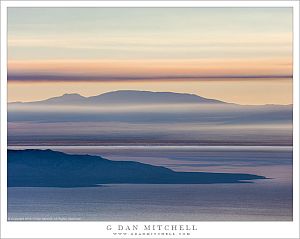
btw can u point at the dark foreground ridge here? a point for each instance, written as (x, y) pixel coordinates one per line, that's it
(47, 168)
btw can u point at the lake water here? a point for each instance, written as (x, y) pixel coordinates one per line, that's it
(269, 199)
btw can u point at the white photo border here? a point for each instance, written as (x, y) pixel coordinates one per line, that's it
(83, 229)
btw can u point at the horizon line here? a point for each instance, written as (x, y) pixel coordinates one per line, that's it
(117, 78)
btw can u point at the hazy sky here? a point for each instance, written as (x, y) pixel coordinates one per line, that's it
(241, 55)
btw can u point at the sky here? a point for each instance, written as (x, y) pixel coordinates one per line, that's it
(240, 55)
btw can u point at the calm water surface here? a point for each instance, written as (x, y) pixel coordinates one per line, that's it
(262, 200)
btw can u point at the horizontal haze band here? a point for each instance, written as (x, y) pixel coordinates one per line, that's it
(95, 78)
(214, 147)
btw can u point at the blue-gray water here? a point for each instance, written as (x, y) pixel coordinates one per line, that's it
(262, 200)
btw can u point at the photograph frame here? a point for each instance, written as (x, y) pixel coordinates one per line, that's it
(77, 229)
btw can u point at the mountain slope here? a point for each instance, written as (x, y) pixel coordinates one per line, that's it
(125, 97)
(148, 97)
(47, 168)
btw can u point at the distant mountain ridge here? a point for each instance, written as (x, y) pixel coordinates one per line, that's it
(126, 97)
(138, 117)
(47, 168)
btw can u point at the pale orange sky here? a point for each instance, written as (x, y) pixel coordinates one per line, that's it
(159, 67)
(242, 92)
(53, 51)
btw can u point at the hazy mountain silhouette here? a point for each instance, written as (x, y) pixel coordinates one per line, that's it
(126, 97)
(47, 168)
(147, 117)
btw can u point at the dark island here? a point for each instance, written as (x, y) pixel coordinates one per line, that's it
(47, 168)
